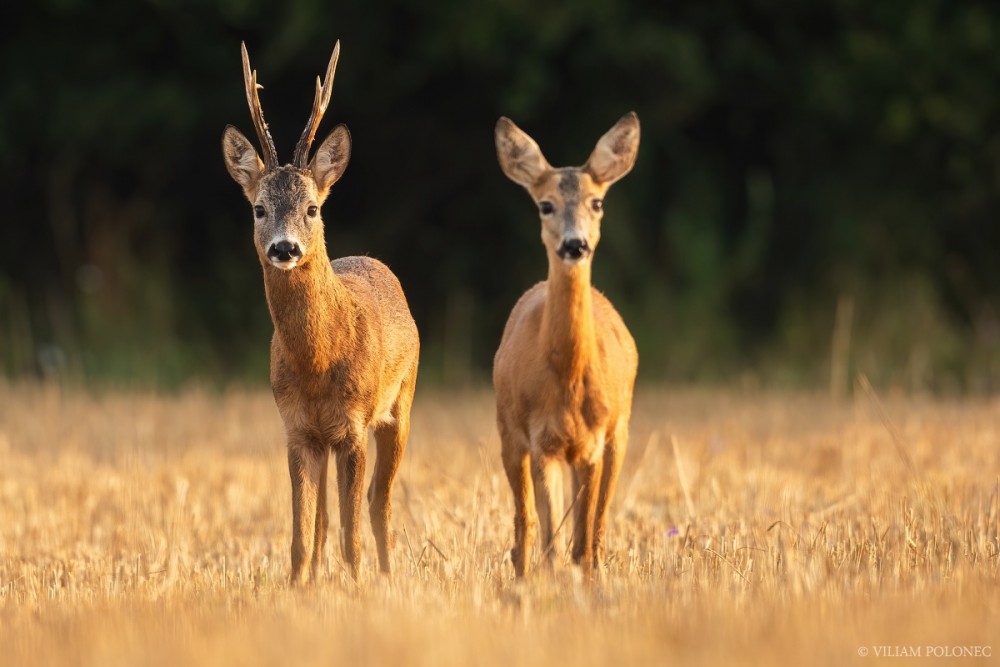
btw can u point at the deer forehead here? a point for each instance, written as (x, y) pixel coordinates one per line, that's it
(566, 185)
(287, 189)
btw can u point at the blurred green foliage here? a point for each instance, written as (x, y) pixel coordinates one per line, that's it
(794, 155)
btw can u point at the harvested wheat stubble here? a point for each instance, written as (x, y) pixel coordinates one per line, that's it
(147, 529)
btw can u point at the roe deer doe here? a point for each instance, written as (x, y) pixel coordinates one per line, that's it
(566, 365)
(345, 348)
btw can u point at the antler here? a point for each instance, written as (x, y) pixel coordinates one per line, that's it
(322, 99)
(253, 99)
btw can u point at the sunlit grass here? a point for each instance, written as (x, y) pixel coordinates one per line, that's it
(145, 529)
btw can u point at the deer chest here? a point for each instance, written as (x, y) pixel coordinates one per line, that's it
(570, 426)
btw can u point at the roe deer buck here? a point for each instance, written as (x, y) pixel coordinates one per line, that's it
(345, 348)
(566, 365)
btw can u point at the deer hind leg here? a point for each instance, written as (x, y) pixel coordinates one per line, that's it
(350, 479)
(306, 466)
(517, 465)
(588, 479)
(390, 440)
(614, 454)
(547, 477)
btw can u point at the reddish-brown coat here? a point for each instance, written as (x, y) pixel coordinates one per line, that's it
(345, 349)
(565, 369)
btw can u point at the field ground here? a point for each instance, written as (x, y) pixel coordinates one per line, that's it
(140, 529)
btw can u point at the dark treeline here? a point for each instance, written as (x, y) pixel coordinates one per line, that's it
(798, 160)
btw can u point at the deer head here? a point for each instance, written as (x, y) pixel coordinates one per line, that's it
(286, 199)
(570, 199)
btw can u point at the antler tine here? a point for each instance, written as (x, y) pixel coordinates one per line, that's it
(253, 99)
(322, 99)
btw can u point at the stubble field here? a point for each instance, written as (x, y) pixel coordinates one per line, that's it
(748, 528)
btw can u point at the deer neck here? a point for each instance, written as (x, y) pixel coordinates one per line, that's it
(312, 311)
(568, 320)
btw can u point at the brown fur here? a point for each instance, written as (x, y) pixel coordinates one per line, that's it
(343, 357)
(566, 365)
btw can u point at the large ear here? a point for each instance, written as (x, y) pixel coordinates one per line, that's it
(242, 161)
(520, 158)
(331, 159)
(616, 151)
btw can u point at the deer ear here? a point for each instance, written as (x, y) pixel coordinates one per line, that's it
(520, 158)
(242, 161)
(330, 161)
(615, 153)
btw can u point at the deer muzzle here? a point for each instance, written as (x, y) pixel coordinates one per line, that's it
(284, 254)
(573, 249)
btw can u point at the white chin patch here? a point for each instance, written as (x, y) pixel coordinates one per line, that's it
(285, 266)
(569, 261)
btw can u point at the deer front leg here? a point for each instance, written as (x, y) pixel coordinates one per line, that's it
(322, 517)
(517, 465)
(350, 480)
(548, 501)
(588, 476)
(306, 463)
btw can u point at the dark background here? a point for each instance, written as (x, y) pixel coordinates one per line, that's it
(795, 155)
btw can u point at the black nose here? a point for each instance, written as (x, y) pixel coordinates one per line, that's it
(284, 251)
(573, 248)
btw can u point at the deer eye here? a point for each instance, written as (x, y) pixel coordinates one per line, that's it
(597, 205)
(311, 211)
(259, 211)
(546, 208)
